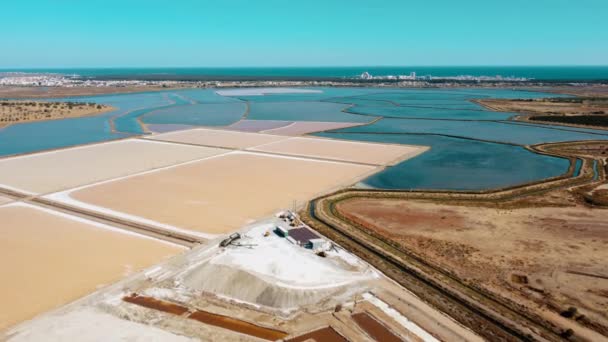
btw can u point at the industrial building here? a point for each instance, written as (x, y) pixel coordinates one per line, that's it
(281, 231)
(302, 236)
(315, 244)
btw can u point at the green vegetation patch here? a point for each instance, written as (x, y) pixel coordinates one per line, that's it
(586, 120)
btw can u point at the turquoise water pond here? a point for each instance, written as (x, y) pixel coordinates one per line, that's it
(212, 114)
(459, 164)
(46, 135)
(303, 111)
(429, 113)
(38, 136)
(482, 130)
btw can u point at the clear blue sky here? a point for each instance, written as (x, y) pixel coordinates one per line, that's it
(208, 33)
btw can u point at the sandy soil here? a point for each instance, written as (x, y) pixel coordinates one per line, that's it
(40, 92)
(29, 111)
(219, 138)
(307, 127)
(52, 259)
(552, 256)
(221, 194)
(358, 152)
(62, 169)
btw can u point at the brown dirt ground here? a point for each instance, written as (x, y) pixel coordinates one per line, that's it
(552, 257)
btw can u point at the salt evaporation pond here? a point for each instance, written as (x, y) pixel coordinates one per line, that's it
(429, 113)
(481, 130)
(459, 164)
(303, 111)
(212, 114)
(31, 137)
(472, 148)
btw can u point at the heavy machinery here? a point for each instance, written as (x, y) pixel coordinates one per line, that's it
(229, 240)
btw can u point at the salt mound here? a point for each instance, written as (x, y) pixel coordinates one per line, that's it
(274, 273)
(240, 285)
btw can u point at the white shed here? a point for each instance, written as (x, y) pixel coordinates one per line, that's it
(316, 243)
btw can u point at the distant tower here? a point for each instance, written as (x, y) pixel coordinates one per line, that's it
(413, 75)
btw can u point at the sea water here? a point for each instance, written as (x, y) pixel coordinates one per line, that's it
(548, 73)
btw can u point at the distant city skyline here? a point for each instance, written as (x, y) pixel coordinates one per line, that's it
(267, 33)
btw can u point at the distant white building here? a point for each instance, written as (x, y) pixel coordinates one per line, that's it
(366, 76)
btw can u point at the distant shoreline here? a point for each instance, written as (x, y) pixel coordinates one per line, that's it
(87, 82)
(549, 74)
(246, 78)
(33, 92)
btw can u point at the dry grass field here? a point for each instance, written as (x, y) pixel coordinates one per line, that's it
(549, 106)
(552, 257)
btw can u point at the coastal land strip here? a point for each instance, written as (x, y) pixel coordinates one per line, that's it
(584, 112)
(13, 112)
(32, 92)
(28, 92)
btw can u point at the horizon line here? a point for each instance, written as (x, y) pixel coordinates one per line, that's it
(304, 67)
